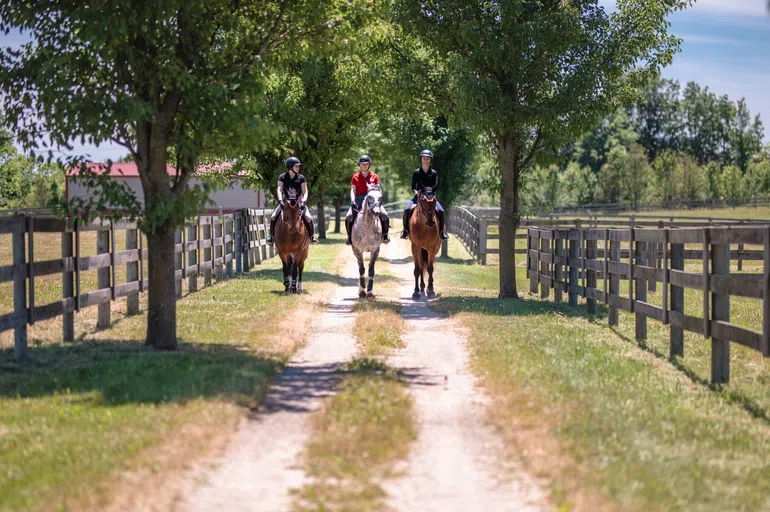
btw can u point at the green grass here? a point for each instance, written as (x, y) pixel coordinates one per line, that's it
(356, 439)
(608, 421)
(78, 414)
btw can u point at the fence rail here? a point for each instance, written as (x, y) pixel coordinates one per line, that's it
(569, 260)
(207, 246)
(475, 227)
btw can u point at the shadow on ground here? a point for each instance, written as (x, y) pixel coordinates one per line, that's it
(128, 371)
(511, 307)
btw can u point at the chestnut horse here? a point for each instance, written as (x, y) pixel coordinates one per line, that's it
(426, 242)
(292, 240)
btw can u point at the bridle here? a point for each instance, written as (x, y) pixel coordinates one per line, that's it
(429, 212)
(294, 226)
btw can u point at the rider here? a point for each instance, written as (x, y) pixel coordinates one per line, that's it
(358, 191)
(291, 184)
(422, 177)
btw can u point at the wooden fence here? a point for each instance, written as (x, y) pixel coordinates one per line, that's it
(207, 247)
(589, 263)
(476, 227)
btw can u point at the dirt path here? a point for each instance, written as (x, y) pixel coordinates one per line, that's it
(456, 462)
(261, 465)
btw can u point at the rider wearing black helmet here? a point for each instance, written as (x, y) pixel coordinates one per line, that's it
(358, 190)
(424, 176)
(292, 185)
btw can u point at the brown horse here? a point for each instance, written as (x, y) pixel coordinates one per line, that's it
(426, 242)
(292, 240)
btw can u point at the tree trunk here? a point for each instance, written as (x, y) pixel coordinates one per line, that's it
(509, 214)
(337, 208)
(161, 307)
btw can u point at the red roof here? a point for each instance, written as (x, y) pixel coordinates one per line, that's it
(124, 170)
(130, 169)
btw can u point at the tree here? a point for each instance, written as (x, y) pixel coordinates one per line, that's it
(615, 130)
(532, 75)
(185, 75)
(15, 178)
(730, 182)
(578, 185)
(666, 169)
(657, 117)
(636, 175)
(612, 175)
(745, 136)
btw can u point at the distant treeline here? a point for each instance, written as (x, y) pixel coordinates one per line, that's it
(671, 145)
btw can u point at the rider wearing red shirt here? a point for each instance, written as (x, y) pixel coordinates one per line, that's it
(358, 190)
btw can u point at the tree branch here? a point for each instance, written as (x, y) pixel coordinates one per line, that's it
(539, 139)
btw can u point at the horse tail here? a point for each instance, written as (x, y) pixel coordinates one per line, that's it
(424, 256)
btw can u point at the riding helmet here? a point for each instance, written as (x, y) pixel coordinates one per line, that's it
(364, 159)
(292, 161)
(426, 152)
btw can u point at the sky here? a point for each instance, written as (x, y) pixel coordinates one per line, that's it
(725, 46)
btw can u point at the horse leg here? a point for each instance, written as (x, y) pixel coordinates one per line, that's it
(423, 264)
(299, 279)
(372, 260)
(431, 293)
(293, 276)
(361, 280)
(285, 276)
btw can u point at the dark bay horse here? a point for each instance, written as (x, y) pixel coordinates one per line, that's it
(426, 242)
(366, 236)
(292, 241)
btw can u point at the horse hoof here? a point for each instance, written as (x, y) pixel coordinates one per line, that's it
(292, 290)
(416, 295)
(369, 295)
(361, 295)
(431, 294)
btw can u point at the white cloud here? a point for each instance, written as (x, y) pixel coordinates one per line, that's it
(698, 39)
(736, 7)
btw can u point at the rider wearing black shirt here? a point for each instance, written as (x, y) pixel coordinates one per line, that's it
(423, 177)
(292, 185)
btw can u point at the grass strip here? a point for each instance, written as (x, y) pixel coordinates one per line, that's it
(378, 327)
(357, 438)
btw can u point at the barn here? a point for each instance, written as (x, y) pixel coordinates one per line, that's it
(234, 197)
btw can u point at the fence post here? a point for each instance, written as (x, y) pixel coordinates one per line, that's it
(720, 304)
(103, 278)
(266, 230)
(557, 266)
(132, 270)
(545, 249)
(532, 261)
(229, 232)
(20, 294)
(447, 225)
(590, 276)
(207, 237)
(483, 241)
(238, 234)
(677, 301)
(192, 258)
(614, 278)
(177, 263)
(740, 250)
(641, 291)
(574, 279)
(67, 283)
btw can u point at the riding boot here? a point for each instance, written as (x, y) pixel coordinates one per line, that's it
(349, 229)
(441, 231)
(385, 222)
(405, 232)
(311, 229)
(273, 222)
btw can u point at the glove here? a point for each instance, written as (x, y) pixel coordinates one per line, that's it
(354, 205)
(302, 205)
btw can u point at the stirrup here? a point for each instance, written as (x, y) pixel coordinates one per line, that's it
(443, 235)
(270, 240)
(405, 234)
(385, 238)
(314, 240)
(348, 241)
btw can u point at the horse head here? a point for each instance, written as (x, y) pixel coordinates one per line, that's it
(292, 216)
(373, 200)
(427, 203)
